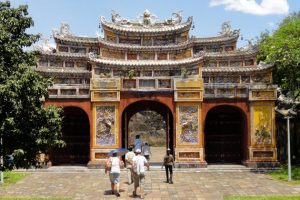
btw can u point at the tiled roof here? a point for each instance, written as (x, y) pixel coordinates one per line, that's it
(147, 62)
(66, 54)
(237, 53)
(73, 38)
(192, 41)
(63, 71)
(260, 67)
(140, 47)
(133, 28)
(216, 39)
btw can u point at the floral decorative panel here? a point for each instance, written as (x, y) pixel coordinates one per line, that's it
(105, 125)
(188, 125)
(262, 124)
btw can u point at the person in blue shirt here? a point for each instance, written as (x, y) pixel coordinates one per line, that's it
(137, 143)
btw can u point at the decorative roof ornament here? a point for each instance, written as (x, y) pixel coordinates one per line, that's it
(116, 18)
(64, 30)
(175, 19)
(248, 46)
(226, 29)
(44, 46)
(146, 22)
(147, 19)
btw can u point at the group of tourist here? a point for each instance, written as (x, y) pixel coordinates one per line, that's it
(135, 165)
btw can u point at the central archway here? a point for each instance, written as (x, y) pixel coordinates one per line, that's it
(224, 135)
(148, 105)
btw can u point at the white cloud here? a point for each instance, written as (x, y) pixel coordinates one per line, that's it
(266, 7)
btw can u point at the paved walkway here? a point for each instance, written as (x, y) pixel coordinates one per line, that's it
(187, 185)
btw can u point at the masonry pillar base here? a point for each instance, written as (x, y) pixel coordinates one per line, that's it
(261, 164)
(96, 165)
(200, 164)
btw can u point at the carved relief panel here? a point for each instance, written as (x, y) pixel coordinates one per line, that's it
(188, 124)
(105, 125)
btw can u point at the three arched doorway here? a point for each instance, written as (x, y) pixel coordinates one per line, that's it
(76, 134)
(153, 107)
(224, 135)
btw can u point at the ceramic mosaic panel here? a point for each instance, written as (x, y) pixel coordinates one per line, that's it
(188, 123)
(105, 125)
(262, 124)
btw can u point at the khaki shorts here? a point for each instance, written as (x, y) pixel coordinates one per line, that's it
(139, 180)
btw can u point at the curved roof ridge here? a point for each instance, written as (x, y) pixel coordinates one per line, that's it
(65, 54)
(124, 45)
(259, 67)
(134, 27)
(190, 60)
(238, 52)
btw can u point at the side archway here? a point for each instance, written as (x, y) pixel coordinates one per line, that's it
(76, 134)
(225, 135)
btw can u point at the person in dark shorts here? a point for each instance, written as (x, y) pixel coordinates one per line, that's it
(146, 151)
(168, 162)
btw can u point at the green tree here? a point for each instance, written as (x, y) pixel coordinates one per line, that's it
(282, 47)
(26, 126)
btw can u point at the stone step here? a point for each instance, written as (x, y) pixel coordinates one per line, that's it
(153, 167)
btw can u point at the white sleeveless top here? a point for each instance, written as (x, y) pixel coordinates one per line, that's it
(115, 165)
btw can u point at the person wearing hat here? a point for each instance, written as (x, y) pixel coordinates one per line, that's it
(113, 165)
(139, 162)
(168, 162)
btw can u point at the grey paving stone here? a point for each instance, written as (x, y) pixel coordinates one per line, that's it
(187, 185)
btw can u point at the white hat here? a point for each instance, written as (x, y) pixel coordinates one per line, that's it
(138, 151)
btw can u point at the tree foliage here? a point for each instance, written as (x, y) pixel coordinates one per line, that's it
(282, 47)
(26, 126)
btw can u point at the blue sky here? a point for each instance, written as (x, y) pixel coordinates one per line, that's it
(251, 16)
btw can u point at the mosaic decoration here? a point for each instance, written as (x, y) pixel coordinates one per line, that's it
(188, 121)
(105, 125)
(262, 124)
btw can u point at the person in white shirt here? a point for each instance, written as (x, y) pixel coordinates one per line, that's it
(129, 162)
(139, 163)
(137, 143)
(146, 151)
(113, 165)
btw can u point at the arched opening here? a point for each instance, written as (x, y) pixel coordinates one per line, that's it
(148, 113)
(150, 125)
(224, 135)
(76, 134)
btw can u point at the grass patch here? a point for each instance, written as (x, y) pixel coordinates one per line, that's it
(13, 198)
(262, 198)
(282, 174)
(13, 177)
